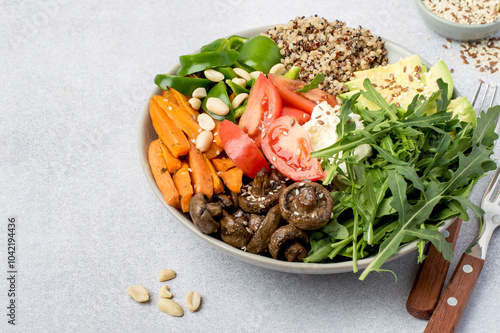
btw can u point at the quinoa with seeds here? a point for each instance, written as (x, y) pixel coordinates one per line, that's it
(318, 46)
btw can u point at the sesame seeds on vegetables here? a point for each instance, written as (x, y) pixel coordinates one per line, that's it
(465, 11)
(332, 48)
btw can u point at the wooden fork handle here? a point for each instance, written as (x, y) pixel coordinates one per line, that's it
(428, 284)
(456, 295)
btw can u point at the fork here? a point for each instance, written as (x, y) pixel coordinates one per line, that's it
(430, 278)
(457, 293)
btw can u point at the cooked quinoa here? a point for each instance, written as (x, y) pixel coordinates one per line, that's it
(318, 46)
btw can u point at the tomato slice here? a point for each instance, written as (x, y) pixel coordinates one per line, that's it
(288, 147)
(263, 106)
(306, 102)
(241, 149)
(301, 116)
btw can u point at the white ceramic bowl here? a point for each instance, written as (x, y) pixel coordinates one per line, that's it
(456, 31)
(147, 134)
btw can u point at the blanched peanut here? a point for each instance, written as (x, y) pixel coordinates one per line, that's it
(195, 103)
(238, 99)
(243, 74)
(166, 274)
(255, 74)
(278, 69)
(170, 307)
(192, 300)
(204, 140)
(138, 293)
(165, 292)
(217, 106)
(213, 75)
(199, 93)
(206, 122)
(239, 81)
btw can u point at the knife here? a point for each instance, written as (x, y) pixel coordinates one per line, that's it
(429, 282)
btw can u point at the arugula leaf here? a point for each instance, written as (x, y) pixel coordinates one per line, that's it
(313, 84)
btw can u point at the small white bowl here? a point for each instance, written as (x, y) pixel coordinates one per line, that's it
(456, 31)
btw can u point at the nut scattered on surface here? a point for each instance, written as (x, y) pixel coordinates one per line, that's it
(166, 274)
(199, 93)
(206, 122)
(170, 307)
(192, 300)
(195, 103)
(165, 292)
(238, 100)
(213, 75)
(217, 106)
(138, 293)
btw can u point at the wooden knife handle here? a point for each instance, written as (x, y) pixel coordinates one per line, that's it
(456, 295)
(428, 284)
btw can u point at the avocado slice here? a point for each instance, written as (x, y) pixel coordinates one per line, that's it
(400, 82)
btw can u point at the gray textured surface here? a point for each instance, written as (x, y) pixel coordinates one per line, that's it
(74, 78)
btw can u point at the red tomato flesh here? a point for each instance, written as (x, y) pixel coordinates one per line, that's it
(263, 106)
(241, 149)
(306, 102)
(301, 116)
(288, 147)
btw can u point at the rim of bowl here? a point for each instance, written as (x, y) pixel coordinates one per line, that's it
(254, 259)
(475, 26)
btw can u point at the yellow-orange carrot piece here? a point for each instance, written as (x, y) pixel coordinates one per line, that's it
(222, 163)
(218, 185)
(200, 173)
(173, 163)
(233, 178)
(167, 131)
(168, 95)
(183, 101)
(181, 117)
(161, 175)
(182, 181)
(214, 150)
(215, 131)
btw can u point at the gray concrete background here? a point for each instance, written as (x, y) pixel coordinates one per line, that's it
(74, 77)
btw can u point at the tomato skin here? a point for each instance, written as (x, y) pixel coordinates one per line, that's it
(303, 101)
(241, 149)
(288, 147)
(301, 116)
(263, 106)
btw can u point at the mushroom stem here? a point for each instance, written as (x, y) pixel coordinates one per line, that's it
(306, 200)
(295, 252)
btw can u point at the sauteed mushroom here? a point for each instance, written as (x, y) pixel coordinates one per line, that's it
(261, 237)
(203, 212)
(306, 205)
(234, 230)
(261, 194)
(288, 243)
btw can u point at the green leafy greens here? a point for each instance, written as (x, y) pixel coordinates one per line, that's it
(423, 165)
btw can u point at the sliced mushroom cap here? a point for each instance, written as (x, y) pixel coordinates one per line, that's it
(288, 243)
(202, 213)
(261, 194)
(234, 230)
(261, 237)
(306, 205)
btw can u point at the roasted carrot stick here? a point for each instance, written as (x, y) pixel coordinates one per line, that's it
(181, 117)
(183, 102)
(161, 175)
(182, 181)
(167, 131)
(218, 185)
(173, 163)
(222, 163)
(233, 179)
(200, 173)
(168, 95)
(217, 139)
